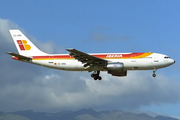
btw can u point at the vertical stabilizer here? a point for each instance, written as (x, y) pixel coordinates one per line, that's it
(24, 45)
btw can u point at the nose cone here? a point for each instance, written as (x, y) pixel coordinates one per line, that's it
(171, 61)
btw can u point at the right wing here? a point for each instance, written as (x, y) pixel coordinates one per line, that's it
(87, 59)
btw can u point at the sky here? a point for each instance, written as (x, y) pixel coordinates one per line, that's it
(91, 26)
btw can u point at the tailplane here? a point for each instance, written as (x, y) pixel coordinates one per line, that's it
(24, 46)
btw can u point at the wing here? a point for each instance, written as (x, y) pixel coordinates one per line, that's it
(87, 59)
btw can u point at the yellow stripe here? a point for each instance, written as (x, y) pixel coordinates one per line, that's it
(144, 55)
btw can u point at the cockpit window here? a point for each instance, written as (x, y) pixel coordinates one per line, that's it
(166, 57)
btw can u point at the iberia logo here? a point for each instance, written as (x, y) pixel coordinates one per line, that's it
(23, 45)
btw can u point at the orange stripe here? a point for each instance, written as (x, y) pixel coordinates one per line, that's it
(104, 56)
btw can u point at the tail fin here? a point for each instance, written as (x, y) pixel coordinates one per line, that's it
(24, 46)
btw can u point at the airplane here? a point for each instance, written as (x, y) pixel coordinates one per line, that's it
(116, 64)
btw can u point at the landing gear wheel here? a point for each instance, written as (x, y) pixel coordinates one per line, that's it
(95, 77)
(92, 75)
(100, 78)
(154, 75)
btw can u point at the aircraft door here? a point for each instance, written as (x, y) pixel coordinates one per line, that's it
(134, 62)
(156, 58)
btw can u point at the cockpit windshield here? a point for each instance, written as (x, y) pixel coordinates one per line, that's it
(166, 57)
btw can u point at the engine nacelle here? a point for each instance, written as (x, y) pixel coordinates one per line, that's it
(115, 66)
(116, 69)
(117, 73)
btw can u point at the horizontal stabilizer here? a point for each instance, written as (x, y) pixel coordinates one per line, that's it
(19, 56)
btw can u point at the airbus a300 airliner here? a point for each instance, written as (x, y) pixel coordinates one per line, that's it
(116, 64)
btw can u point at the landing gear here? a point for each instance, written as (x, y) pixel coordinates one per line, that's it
(154, 74)
(96, 76)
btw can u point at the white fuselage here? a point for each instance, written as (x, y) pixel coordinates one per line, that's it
(153, 61)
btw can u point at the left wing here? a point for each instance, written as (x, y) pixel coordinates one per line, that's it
(19, 57)
(87, 59)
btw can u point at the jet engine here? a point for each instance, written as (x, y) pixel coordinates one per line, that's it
(116, 69)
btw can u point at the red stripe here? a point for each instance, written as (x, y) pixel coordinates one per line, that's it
(99, 56)
(57, 56)
(21, 47)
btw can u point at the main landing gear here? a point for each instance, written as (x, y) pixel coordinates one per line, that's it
(96, 76)
(96, 73)
(154, 74)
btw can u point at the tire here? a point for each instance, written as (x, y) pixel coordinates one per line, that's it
(100, 78)
(92, 75)
(95, 78)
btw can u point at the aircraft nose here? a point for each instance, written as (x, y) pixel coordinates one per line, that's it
(173, 61)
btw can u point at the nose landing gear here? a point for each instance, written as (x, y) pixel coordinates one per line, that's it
(154, 73)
